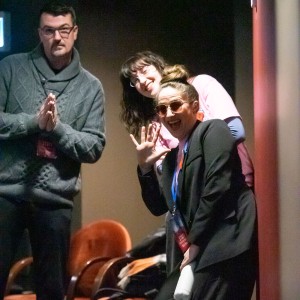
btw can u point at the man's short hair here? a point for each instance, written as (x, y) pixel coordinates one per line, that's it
(58, 8)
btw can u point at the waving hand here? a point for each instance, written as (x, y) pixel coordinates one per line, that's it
(147, 155)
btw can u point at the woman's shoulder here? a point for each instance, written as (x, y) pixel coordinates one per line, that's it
(214, 131)
(212, 124)
(201, 79)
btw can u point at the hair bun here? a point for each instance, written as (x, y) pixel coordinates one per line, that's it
(177, 73)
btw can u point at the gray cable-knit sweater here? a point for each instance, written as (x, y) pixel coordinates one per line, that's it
(79, 137)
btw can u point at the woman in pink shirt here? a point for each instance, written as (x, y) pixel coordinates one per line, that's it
(140, 77)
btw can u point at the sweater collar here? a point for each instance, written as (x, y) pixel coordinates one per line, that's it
(41, 64)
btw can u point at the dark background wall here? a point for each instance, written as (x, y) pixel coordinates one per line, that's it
(198, 33)
(24, 23)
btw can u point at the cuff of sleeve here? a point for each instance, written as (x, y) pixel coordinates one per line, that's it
(32, 125)
(58, 131)
(147, 173)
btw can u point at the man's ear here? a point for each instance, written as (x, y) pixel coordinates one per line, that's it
(75, 32)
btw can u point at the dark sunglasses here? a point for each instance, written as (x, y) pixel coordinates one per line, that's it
(175, 106)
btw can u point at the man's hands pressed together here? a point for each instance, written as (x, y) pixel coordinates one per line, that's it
(47, 116)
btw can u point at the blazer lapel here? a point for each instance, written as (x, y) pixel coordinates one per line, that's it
(168, 169)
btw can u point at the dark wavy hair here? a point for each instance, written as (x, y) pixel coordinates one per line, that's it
(137, 110)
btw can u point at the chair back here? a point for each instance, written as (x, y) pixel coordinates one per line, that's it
(103, 238)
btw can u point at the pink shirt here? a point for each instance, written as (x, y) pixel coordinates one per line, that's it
(165, 140)
(215, 102)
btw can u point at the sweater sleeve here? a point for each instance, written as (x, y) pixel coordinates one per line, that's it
(16, 125)
(87, 144)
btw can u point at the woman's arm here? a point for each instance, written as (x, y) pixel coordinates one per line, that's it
(237, 128)
(147, 156)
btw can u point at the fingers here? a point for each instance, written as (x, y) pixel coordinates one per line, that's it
(51, 97)
(150, 131)
(159, 154)
(51, 121)
(143, 134)
(156, 134)
(149, 136)
(134, 140)
(190, 255)
(47, 116)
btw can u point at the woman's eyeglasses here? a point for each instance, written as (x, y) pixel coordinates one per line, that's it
(175, 107)
(144, 72)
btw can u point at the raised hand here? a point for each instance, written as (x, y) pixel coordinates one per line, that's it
(47, 116)
(147, 155)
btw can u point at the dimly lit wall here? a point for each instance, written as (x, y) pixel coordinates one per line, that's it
(198, 33)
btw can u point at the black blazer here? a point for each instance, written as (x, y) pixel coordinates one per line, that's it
(217, 206)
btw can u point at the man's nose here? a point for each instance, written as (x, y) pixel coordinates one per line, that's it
(57, 35)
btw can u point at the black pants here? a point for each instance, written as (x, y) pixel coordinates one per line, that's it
(232, 279)
(49, 232)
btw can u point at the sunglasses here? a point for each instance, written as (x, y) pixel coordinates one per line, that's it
(175, 107)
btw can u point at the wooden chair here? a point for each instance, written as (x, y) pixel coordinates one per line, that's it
(106, 280)
(91, 246)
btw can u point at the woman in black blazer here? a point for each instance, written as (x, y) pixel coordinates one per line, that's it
(203, 187)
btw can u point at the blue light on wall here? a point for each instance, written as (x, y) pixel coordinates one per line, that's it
(5, 37)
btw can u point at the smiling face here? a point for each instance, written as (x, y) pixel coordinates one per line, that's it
(146, 80)
(58, 49)
(180, 123)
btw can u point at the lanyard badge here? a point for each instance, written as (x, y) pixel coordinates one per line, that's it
(176, 219)
(46, 149)
(179, 230)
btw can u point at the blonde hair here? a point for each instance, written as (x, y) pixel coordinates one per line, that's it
(175, 73)
(176, 76)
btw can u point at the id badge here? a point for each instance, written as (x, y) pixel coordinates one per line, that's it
(179, 231)
(46, 149)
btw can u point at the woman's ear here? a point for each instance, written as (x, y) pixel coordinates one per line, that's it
(195, 106)
(200, 116)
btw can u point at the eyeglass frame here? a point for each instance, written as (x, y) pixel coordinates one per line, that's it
(178, 110)
(53, 30)
(143, 72)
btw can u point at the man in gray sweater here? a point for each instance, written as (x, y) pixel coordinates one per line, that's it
(51, 121)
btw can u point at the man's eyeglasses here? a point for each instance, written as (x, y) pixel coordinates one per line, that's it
(175, 106)
(64, 32)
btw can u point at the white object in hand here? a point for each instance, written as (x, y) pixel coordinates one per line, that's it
(185, 283)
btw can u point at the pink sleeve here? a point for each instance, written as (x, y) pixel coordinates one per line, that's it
(215, 102)
(165, 140)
